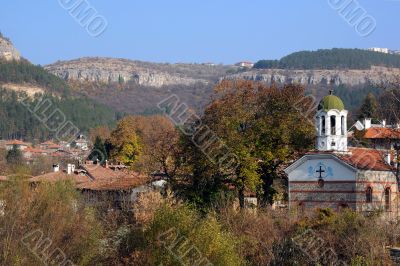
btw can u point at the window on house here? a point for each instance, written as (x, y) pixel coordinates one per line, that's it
(369, 195)
(323, 125)
(387, 199)
(333, 125)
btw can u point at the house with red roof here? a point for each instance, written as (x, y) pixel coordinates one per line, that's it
(31, 153)
(101, 184)
(380, 136)
(337, 176)
(49, 146)
(18, 143)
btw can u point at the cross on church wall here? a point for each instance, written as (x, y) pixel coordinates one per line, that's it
(320, 171)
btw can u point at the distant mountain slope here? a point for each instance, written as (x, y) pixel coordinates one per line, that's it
(19, 79)
(332, 59)
(320, 77)
(108, 70)
(23, 71)
(17, 121)
(136, 86)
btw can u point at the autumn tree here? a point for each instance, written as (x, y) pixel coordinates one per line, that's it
(101, 131)
(264, 127)
(125, 145)
(159, 139)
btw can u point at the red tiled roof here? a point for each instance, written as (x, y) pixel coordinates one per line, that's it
(382, 133)
(99, 172)
(60, 176)
(49, 142)
(16, 142)
(363, 158)
(120, 183)
(367, 159)
(34, 150)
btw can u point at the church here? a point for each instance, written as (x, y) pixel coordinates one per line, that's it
(337, 176)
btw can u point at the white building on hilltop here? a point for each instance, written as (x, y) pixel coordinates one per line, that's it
(379, 50)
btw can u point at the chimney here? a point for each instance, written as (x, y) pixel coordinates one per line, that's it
(388, 158)
(367, 123)
(56, 168)
(106, 165)
(69, 169)
(73, 168)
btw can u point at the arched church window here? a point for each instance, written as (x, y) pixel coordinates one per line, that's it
(387, 199)
(343, 125)
(333, 125)
(323, 125)
(368, 195)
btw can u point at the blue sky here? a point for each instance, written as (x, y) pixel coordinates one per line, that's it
(220, 31)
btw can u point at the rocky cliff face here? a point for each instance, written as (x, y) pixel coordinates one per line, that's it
(107, 70)
(375, 75)
(7, 50)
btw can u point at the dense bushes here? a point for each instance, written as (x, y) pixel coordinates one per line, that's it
(280, 238)
(35, 223)
(179, 236)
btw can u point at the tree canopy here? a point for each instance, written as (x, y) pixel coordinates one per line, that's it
(261, 125)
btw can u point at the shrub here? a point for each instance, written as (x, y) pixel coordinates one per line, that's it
(37, 221)
(180, 235)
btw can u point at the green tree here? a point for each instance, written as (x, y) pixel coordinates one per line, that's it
(14, 156)
(369, 107)
(99, 151)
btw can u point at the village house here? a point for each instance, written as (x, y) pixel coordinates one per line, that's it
(245, 64)
(18, 143)
(81, 143)
(337, 176)
(108, 184)
(49, 146)
(31, 153)
(380, 136)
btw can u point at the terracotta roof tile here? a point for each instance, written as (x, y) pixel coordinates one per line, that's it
(60, 176)
(382, 133)
(363, 158)
(47, 143)
(367, 159)
(34, 150)
(16, 142)
(120, 183)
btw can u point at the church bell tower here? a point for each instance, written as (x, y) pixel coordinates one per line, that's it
(331, 124)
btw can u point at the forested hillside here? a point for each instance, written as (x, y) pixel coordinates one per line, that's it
(17, 121)
(332, 59)
(25, 72)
